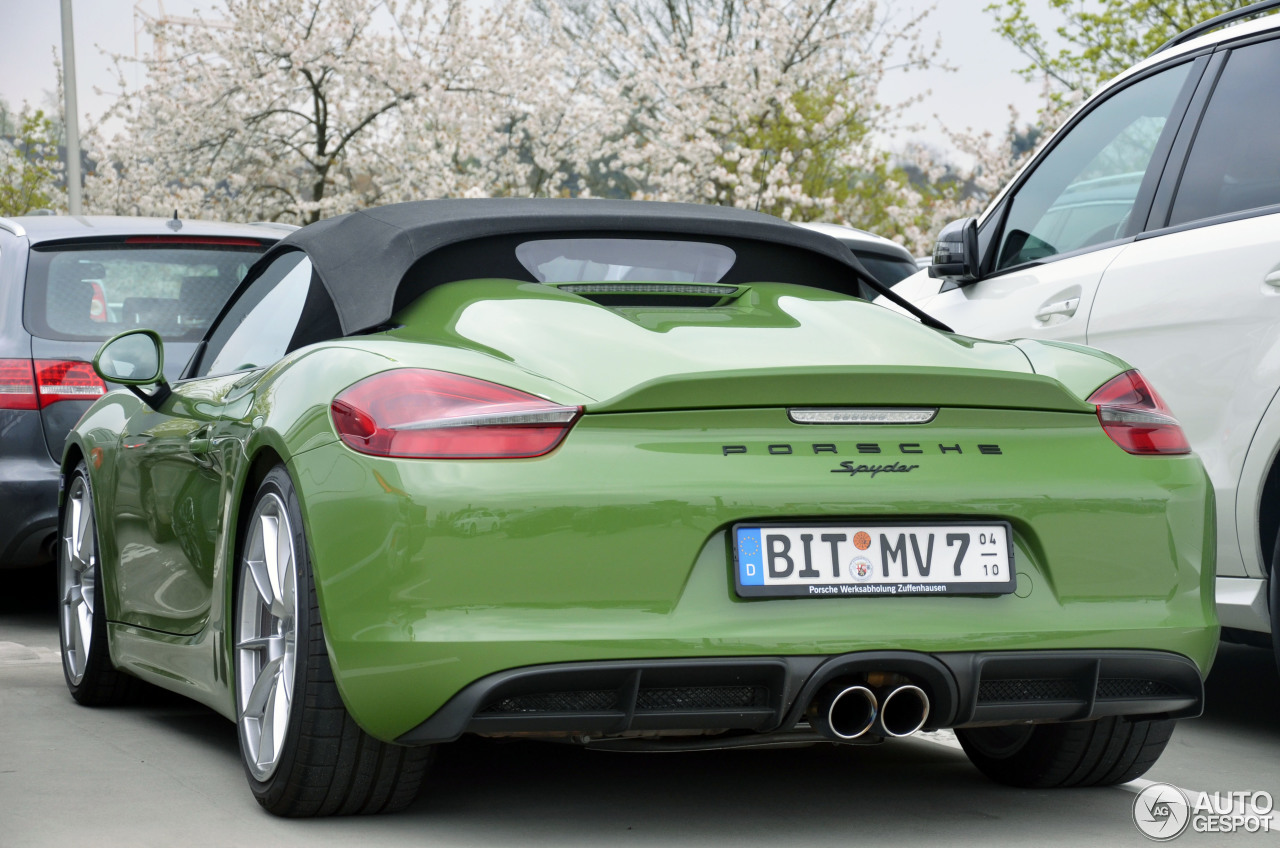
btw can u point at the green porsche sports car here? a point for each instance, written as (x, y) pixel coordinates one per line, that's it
(633, 476)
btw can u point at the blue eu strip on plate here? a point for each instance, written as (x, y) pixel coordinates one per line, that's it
(750, 558)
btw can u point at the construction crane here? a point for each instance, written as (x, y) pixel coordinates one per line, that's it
(141, 17)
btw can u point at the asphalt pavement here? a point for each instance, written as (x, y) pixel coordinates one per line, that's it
(167, 773)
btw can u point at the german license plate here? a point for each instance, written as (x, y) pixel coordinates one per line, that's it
(810, 561)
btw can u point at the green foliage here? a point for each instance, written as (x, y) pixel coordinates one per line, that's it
(1101, 37)
(808, 138)
(29, 166)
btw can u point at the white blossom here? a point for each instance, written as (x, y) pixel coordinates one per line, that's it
(308, 108)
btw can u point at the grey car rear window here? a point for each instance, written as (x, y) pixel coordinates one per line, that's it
(94, 292)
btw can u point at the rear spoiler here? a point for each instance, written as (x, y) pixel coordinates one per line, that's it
(847, 386)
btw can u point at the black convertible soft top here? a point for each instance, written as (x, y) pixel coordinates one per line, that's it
(364, 257)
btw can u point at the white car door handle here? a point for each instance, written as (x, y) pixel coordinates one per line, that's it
(1063, 307)
(1273, 279)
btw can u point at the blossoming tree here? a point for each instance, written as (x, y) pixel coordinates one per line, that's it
(299, 109)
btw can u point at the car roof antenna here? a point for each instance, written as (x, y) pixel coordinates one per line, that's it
(175, 224)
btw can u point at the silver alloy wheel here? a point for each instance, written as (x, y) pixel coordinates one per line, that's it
(78, 572)
(266, 635)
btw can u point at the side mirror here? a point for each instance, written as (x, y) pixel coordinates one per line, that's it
(134, 358)
(955, 255)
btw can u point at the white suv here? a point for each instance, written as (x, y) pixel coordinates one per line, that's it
(1149, 226)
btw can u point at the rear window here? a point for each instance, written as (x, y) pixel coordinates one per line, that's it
(647, 260)
(94, 292)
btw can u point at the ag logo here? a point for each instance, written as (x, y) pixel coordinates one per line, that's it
(1161, 812)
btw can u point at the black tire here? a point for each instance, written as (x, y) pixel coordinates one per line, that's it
(82, 613)
(1102, 752)
(326, 764)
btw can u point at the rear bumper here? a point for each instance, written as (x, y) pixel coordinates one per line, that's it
(770, 694)
(615, 548)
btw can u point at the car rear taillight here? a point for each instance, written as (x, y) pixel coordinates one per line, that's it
(98, 306)
(17, 385)
(1136, 418)
(34, 385)
(422, 414)
(58, 380)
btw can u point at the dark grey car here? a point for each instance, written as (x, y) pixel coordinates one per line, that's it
(66, 285)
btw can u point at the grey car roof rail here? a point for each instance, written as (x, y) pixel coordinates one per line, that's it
(12, 226)
(1220, 20)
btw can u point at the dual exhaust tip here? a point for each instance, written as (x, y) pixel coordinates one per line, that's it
(844, 711)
